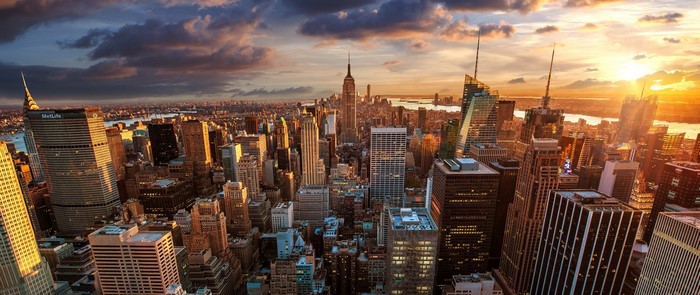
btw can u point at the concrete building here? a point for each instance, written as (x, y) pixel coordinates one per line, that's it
(255, 145)
(474, 284)
(343, 267)
(23, 270)
(487, 153)
(208, 228)
(387, 165)
(311, 173)
(230, 157)
(463, 206)
(164, 197)
(235, 203)
(312, 204)
(605, 231)
(282, 216)
(508, 169)
(617, 179)
(214, 273)
(76, 161)
(129, 262)
(412, 251)
(672, 264)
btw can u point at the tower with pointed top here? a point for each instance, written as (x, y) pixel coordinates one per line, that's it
(348, 101)
(543, 121)
(479, 113)
(34, 162)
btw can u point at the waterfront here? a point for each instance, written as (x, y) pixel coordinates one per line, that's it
(691, 130)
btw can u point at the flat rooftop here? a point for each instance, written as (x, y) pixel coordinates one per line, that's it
(411, 219)
(691, 218)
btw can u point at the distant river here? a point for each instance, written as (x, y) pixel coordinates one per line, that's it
(691, 130)
(18, 138)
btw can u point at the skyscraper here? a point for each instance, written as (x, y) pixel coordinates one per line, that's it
(617, 179)
(507, 169)
(543, 122)
(77, 165)
(695, 157)
(251, 124)
(413, 242)
(387, 165)
(428, 148)
(163, 143)
(479, 115)
(208, 228)
(348, 104)
(255, 145)
(236, 208)
(659, 148)
(538, 175)
(422, 117)
(130, 262)
(448, 138)
(195, 139)
(586, 244)
(463, 206)
(281, 133)
(636, 117)
(679, 185)
(309, 153)
(312, 204)
(671, 266)
(23, 270)
(34, 162)
(230, 157)
(505, 110)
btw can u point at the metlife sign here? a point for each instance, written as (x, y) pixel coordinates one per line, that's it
(51, 116)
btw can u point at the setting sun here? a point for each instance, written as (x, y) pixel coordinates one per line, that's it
(633, 70)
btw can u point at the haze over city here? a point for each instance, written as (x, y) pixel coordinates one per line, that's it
(92, 52)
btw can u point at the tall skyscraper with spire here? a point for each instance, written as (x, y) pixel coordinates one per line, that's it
(348, 108)
(23, 270)
(34, 162)
(479, 114)
(543, 122)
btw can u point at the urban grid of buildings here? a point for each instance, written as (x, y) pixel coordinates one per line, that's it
(350, 195)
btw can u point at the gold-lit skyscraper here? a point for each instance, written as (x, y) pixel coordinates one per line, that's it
(348, 109)
(23, 271)
(75, 157)
(310, 174)
(236, 208)
(195, 139)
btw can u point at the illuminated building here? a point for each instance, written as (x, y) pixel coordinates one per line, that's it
(255, 145)
(208, 228)
(235, 203)
(343, 267)
(247, 173)
(130, 262)
(636, 117)
(505, 110)
(312, 170)
(77, 165)
(617, 179)
(604, 230)
(429, 146)
(463, 206)
(671, 266)
(281, 133)
(479, 116)
(33, 153)
(348, 110)
(659, 148)
(24, 271)
(413, 245)
(487, 153)
(251, 124)
(538, 175)
(387, 165)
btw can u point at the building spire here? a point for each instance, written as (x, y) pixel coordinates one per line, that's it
(476, 64)
(348, 75)
(29, 104)
(546, 98)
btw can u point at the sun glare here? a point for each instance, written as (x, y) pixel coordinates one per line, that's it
(633, 70)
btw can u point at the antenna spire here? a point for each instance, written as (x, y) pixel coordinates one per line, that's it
(348, 75)
(476, 64)
(546, 98)
(641, 96)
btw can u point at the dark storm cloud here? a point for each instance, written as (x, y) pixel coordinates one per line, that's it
(325, 6)
(218, 43)
(275, 92)
(104, 82)
(590, 82)
(459, 30)
(393, 18)
(672, 40)
(523, 6)
(16, 17)
(667, 18)
(517, 81)
(547, 29)
(586, 3)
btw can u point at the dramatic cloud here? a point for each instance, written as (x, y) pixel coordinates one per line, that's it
(641, 56)
(204, 43)
(587, 83)
(325, 43)
(325, 6)
(419, 45)
(668, 18)
(16, 17)
(591, 70)
(460, 30)
(547, 29)
(391, 63)
(517, 81)
(589, 27)
(275, 92)
(393, 18)
(586, 3)
(672, 40)
(110, 69)
(200, 3)
(523, 6)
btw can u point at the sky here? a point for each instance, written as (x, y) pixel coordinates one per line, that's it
(129, 51)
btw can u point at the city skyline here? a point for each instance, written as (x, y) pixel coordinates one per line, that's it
(223, 50)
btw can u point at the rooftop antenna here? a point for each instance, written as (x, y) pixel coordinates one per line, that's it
(546, 98)
(476, 64)
(641, 96)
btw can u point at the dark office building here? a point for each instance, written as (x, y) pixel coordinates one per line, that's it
(163, 143)
(463, 205)
(251, 125)
(696, 150)
(448, 138)
(422, 112)
(164, 197)
(679, 185)
(217, 139)
(660, 147)
(505, 110)
(507, 169)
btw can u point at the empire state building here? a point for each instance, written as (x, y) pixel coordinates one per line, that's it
(348, 124)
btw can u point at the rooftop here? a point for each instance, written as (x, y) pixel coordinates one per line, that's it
(411, 219)
(691, 218)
